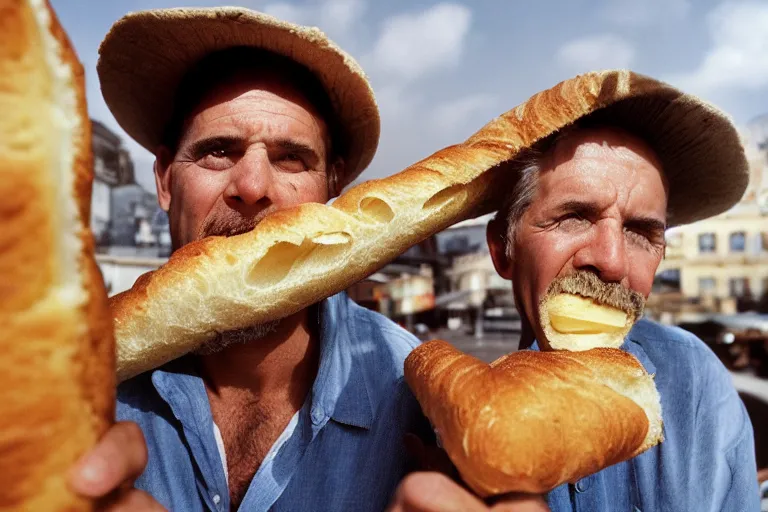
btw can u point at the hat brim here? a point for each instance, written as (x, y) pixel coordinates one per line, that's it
(145, 55)
(700, 150)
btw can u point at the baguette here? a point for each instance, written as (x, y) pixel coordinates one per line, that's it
(531, 421)
(57, 366)
(299, 256)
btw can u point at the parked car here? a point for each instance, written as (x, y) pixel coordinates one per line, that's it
(740, 340)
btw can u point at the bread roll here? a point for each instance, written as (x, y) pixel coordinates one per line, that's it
(57, 365)
(531, 421)
(296, 257)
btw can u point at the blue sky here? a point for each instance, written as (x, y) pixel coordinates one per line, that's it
(441, 70)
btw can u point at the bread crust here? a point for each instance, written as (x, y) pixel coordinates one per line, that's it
(57, 371)
(531, 420)
(220, 284)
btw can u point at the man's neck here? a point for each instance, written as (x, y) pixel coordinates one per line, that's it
(281, 364)
(527, 336)
(255, 388)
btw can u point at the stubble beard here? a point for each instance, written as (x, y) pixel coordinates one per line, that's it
(224, 340)
(232, 223)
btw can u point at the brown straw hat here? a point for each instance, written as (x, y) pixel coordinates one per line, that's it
(146, 54)
(699, 147)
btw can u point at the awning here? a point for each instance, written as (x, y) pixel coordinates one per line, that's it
(446, 298)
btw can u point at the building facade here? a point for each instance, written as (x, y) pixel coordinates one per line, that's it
(723, 260)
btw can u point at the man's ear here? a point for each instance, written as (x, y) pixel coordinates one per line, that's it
(162, 168)
(496, 235)
(334, 173)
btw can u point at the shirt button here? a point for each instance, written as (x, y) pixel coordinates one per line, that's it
(317, 415)
(216, 499)
(583, 485)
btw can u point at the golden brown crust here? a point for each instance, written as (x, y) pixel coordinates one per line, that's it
(57, 384)
(229, 283)
(530, 420)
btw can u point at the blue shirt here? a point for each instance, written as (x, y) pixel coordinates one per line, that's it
(342, 451)
(707, 460)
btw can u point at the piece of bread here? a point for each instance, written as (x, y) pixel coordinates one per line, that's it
(530, 420)
(298, 256)
(573, 322)
(57, 367)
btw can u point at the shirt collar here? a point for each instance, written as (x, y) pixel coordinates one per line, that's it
(340, 391)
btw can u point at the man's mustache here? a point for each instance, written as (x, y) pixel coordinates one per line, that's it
(588, 285)
(231, 223)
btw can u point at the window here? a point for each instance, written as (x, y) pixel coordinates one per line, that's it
(707, 285)
(737, 286)
(707, 243)
(738, 241)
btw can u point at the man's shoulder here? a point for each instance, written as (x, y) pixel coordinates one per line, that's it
(665, 342)
(684, 364)
(369, 324)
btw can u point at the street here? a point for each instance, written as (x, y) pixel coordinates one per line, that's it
(494, 344)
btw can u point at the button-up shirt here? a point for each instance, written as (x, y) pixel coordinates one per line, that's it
(343, 450)
(707, 459)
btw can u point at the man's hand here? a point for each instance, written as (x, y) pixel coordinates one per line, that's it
(435, 492)
(108, 472)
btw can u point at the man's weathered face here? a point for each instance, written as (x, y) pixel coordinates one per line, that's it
(252, 146)
(600, 207)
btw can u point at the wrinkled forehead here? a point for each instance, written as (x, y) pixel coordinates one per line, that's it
(601, 144)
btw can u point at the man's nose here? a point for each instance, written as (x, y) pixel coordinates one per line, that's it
(605, 254)
(251, 179)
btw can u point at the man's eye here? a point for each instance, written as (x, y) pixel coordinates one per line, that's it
(645, 238)
(291, 162)
(217, 159)
(571, 219)
(571, 222)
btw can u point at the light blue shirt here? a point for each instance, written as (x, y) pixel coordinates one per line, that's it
(342, 451)
(344, 448)
(707, 460)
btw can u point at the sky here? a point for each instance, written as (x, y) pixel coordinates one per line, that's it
(441, 70)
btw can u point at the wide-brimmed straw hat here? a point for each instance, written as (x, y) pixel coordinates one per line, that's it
(700, 149)
(146, 54)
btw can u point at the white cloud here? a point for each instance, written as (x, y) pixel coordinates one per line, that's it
(415, 44)
(396, 102)
(738, 58)
(335, 17)
(460, 113)
(638, 13)
(596, 52)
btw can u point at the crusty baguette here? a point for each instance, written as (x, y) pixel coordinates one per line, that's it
(531, 421)
(299, 256)
(295, 257)
(57, 365)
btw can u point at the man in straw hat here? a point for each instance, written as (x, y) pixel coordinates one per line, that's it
(246, 115)
(240, 130)
(612, 160)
